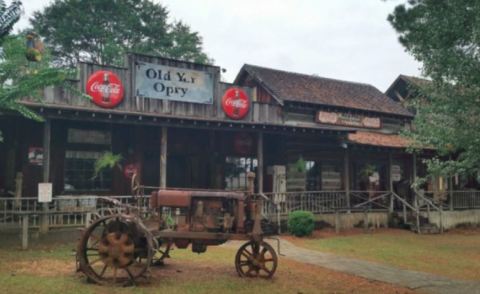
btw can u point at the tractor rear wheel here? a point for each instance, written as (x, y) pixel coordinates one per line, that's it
(115, 250)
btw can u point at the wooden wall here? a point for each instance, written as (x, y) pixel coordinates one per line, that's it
(259, 112)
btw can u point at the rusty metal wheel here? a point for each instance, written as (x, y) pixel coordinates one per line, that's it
(256, 260)
(115, 250)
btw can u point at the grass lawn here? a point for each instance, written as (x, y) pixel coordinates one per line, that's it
(51, 269)
(455, 254)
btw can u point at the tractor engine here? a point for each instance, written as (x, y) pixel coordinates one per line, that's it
(211, 214)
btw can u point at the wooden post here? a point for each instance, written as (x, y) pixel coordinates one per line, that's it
(25, 231)
(440, 214)
(390, 181)
(414, 172)
(260, 163)
(337, 222)
(450, 193)
(18, 190)
(47, 134)
(365, 221)
(163, 158)
(88, 219)
(347, 177)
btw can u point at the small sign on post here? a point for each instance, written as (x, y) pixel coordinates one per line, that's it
(396, 173)
(44, 192)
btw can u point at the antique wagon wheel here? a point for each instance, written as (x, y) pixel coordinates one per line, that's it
(115, 250)
(256, 259)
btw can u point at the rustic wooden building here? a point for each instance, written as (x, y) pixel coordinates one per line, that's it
(177, 125)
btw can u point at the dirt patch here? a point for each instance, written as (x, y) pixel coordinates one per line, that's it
(290, 275)
(466, 231)
(183, 270)
(44, 268)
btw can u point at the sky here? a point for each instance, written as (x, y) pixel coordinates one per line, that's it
(343, 39)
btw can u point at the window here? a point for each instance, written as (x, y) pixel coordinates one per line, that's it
(325, 176)
(331, 175)
(80, 172)
(236, 169)
(84, 147)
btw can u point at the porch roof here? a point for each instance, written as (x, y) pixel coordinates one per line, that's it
(378, 139)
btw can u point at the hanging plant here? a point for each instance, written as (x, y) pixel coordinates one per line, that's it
(368, 170)
(107, 161)
(301, 165)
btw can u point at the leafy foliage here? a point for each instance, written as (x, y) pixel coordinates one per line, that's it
(445, 37)
(301, 223)
(102, 31)
(107, 161)
(368, 170)
(301, 165)
(20, 78)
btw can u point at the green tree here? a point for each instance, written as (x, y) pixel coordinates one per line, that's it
(445, 37)
(20, 78)
(102, 31)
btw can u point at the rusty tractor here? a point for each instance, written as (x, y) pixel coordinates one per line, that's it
(120, 248)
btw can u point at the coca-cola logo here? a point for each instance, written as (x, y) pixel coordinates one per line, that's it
(235, 103)
(243, 143)
(105, 88)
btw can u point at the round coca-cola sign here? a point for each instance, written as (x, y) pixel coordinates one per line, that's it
(105, 88)
(235, 103)
(130, 169)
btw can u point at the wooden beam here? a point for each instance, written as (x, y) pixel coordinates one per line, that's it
(47, 138)
(25, 231)
(163, 158)
(260, 162)
(450, 192)
(346, 175)
(47, 134)
(390, 180)
(414, 166)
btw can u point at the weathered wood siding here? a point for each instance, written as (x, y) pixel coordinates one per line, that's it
(259, 112)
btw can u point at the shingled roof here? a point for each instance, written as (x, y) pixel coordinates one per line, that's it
(290, 86)
(378, 139)
(404, 86)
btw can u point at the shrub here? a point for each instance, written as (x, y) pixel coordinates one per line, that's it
(301, 223)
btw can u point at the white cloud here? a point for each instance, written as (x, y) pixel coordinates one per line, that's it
(342, 39)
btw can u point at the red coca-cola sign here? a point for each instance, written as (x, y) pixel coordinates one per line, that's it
(105, 88)
(235, 103)
(243, 143)
(130, 169)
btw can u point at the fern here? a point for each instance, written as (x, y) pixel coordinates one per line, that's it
(107, 161)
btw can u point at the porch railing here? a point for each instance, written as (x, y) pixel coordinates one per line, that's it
(313, 201)
(466, 199)
(76, 211)
(63, 211)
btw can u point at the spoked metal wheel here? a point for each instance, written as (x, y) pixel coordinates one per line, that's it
(256, 260)
(115, 250)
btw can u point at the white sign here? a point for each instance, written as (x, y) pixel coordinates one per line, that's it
(396, 173)
(44, 192)
(346, 119)
(173, 83)
(374, 178)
